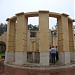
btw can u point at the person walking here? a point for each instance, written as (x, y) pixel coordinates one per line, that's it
(57, 54)
(53, 54)
(50, 55)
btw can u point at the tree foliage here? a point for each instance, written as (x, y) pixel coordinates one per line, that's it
(54, 33)
(32, 27)
(3, 28)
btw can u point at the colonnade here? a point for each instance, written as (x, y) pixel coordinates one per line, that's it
(17, 37)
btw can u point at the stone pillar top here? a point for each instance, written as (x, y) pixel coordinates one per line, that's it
(21, 13)
(7, 19)
(12, 18)
(73, 20)
(43, 11)
(66, 15)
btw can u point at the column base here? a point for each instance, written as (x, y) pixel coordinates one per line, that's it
(72, 56)
(37, 57)
(33, 57)
(9, 56)
(64, 57)
(20, 58)
(44, 58)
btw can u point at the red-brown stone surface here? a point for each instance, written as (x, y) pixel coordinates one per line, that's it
(16, 71)
(2, 70)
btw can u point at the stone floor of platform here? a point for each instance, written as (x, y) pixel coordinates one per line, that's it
(37, 66)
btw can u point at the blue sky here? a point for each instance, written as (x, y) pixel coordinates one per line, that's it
(10, 7)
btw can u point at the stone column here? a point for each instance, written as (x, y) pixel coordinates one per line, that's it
(63, 39)
(71, 40)
(28, 41)
(54, 40)
(21, 39)
(10, 47)
(44, 37)
(51, 38)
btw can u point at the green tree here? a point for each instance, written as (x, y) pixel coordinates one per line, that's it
(32, 27)
(3, 28)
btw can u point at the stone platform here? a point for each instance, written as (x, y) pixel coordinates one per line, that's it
(39, 67)
(28, 69)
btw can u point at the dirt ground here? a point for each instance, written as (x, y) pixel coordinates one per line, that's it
(2, 68)
(2, 71)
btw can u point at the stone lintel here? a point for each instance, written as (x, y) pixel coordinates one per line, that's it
(54, 14)
(31, 14)
(66, 15)
(21, 13)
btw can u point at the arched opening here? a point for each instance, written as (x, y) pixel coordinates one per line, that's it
(2, 49)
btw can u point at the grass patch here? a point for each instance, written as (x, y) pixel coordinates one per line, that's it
(2, 54)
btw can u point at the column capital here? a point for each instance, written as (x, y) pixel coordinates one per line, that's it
(63, 14)
(18, 14)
